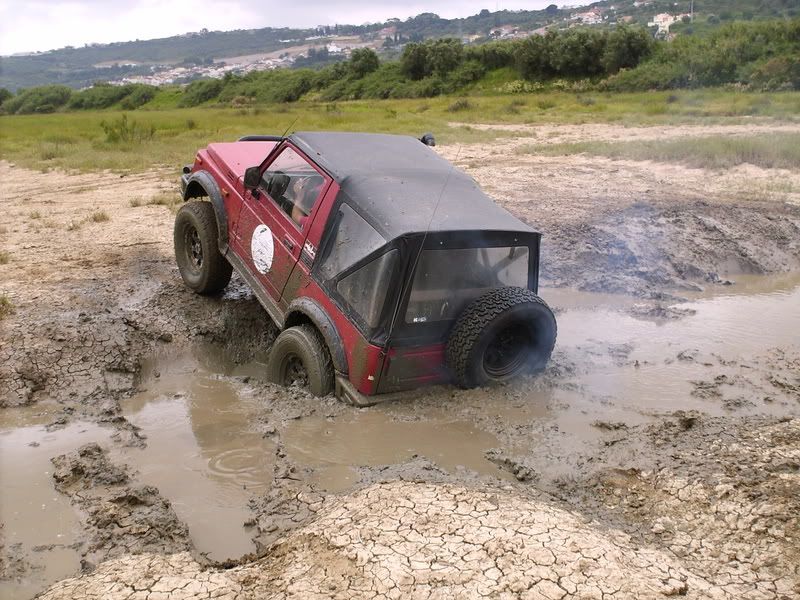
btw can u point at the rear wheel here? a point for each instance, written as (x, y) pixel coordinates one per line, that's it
(299, 357)
(504, 333)
(202, 266)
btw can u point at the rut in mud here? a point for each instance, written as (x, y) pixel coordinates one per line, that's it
(658, 452)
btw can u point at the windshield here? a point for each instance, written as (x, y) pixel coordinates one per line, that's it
(445, 281)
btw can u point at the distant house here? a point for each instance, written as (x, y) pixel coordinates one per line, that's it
(589, 17)
(663, 21)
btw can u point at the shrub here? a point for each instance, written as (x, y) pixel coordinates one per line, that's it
(44, 99)
(201, 91)
(122, 131)
(459, 105)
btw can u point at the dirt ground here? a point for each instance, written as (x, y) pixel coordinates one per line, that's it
(633, 467)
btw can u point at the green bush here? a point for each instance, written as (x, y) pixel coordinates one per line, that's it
(44, 99)
(141, 95)
(201, 91)
(122, 131)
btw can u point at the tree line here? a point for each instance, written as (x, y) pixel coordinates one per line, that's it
(757, 55)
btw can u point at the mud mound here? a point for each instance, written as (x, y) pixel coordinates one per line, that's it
(121, 517)
(417, 541)
(645, 249)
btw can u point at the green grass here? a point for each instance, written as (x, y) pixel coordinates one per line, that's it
(777, 150)
(77, 140)
(5, 257)
(6, 306)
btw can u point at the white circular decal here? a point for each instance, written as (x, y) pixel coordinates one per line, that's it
(262, 248)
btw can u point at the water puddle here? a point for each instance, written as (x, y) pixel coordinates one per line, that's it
(40, 527)
(374, 438)
(650, 365)
(201, 444)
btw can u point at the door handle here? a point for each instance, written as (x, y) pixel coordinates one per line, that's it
(288, 243)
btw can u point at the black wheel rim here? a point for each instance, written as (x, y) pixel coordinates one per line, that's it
(507, 353)
(194, 249)
(294, 371)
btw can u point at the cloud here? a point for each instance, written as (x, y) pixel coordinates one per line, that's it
(43, 25)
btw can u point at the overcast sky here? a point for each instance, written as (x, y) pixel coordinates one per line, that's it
(33, 25)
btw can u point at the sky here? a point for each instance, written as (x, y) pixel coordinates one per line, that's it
(38, 25)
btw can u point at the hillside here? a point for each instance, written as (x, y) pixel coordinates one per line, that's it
(195, 53)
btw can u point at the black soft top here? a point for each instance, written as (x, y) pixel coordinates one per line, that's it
(395, 181)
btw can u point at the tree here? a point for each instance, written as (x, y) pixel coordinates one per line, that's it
(414, 61)
(4, 95)
(551, 10)
(445, 56)
(625, 48)
(363, 61)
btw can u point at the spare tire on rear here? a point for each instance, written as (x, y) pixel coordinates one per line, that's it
(506, 332)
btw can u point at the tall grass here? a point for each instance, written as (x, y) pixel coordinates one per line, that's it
(171, 136)
(781, 150)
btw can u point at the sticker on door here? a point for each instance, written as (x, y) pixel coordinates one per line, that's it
(262, 249)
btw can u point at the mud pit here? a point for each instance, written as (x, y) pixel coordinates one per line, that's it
(658, 455)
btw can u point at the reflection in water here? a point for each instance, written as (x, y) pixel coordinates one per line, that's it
(202, 453)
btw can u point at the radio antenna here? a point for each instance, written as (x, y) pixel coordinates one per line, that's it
(283, 135)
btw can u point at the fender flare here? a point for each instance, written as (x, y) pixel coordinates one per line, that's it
(199, 184)
(301, 309)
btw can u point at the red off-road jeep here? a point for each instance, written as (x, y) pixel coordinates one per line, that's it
(384, 267)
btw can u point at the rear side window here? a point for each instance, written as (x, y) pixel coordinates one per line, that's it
(353, 239)
(365, 289)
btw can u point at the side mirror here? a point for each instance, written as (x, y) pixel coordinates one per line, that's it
(252, 177)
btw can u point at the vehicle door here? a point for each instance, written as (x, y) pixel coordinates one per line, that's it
(276, 216)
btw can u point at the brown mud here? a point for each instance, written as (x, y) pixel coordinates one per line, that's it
(659, 453)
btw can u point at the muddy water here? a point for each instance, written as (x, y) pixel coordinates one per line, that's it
(739, 322)
(203, 420)
(40, 526)
(372, 438)
(201, 444)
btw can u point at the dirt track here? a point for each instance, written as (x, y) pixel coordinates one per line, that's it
(576, 488)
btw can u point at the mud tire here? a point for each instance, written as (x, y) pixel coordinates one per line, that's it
(202, 266)
(301, 343)
(506, 332)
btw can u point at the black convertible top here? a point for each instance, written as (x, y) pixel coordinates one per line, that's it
(395, 182)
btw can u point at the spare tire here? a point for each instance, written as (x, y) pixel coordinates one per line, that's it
(504, 333)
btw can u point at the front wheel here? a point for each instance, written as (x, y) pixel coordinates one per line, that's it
(299, 357)
(202, 266)
(504, 333)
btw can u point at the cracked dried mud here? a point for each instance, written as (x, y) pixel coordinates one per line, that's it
(142, 455)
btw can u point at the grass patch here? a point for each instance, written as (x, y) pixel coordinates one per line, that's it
(168, 199)
(5, 257)
(773, 151)
(75, 140)
(35, 214)
(6, 306)
(100, 216)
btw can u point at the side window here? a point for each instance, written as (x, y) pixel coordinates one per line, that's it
(353, 239)
(293, 184)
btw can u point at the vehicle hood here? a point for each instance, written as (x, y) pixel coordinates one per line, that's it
(233, 158)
